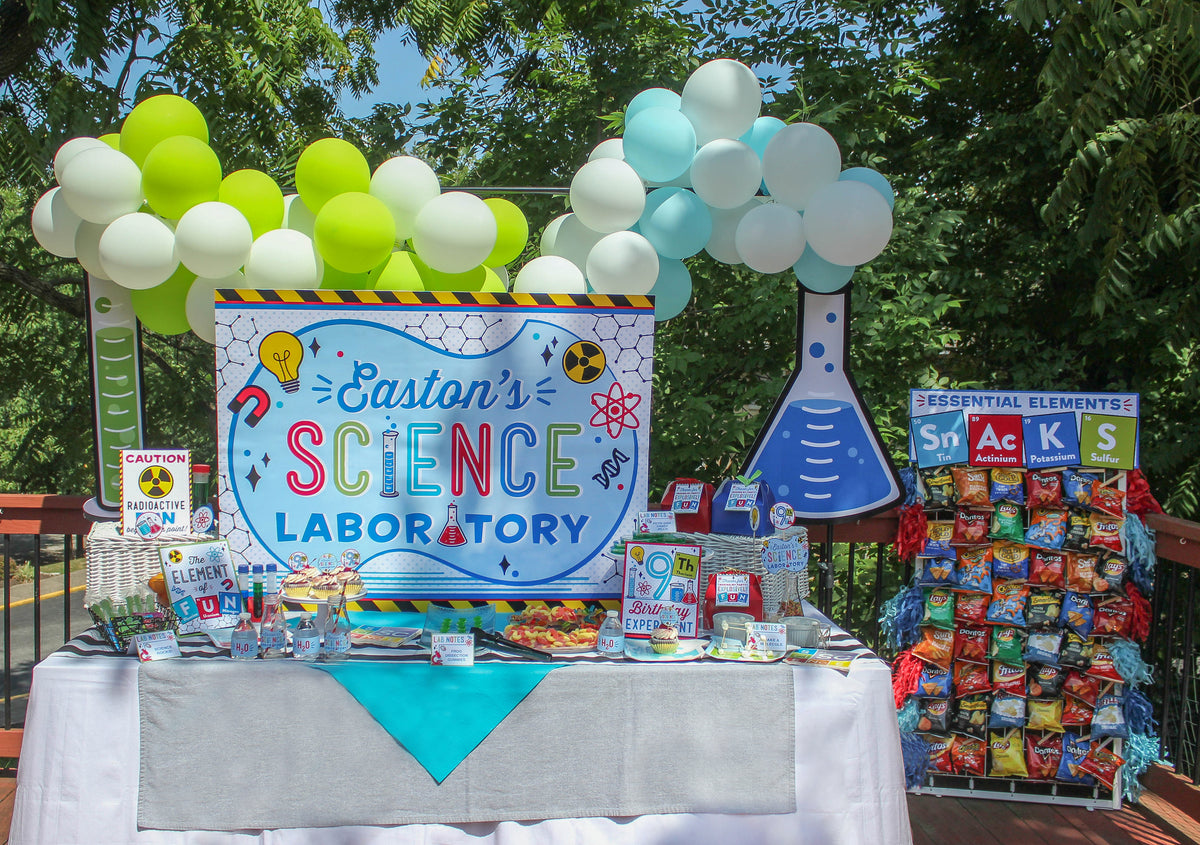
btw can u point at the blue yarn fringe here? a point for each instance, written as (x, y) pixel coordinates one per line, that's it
(915, 751)
(1139, 751)
(909, 715)
(1139, 715)
(1127, 657)
(912, 493)
(900, 617)
(1139, 548)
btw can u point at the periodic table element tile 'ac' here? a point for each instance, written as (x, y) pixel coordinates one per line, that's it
(1108, 441)
(995, 440)
(1051, 440)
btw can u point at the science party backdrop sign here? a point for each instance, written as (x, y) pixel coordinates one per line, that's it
(1036, 430)
(453, 445)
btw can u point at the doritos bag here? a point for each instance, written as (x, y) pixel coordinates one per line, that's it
(691, 501)
(733, 590)
(747, 514)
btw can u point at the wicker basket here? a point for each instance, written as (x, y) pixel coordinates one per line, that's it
(722, 552)
(120, 631)
(119, 566)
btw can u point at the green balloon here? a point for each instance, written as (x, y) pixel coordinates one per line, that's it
(256, 195)
(180, 172)
(472, 280)
(354, 232)
(492, 283)
(113, 139)
(330, 167)
(402, 271)
(163, 308)
(157, 119)
(335, 279)
(512, 232)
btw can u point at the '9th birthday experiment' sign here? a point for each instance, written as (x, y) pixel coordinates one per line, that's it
(449, 445)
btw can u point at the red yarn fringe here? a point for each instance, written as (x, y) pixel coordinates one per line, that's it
(1138, 498)
(1139, 626)
(906, 674)
(910, 534)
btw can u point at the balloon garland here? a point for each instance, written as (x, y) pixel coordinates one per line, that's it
(698, 170)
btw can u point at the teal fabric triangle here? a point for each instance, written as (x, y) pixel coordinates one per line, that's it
(438, 713)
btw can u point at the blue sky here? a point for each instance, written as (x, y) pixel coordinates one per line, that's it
(400, 70)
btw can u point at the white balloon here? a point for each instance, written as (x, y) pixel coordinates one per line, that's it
(848, 223)
(87, 248)
(800, 159)
(612, 148)
(502, 273)
(721, 245)
(550, 234)
(607, 195)
(101, 184)
(71, 149)
(55, 224)
(297, 215)
(770, 238)
(574, 241)
(286, 259)
(454, 232)
(622, 263)
(405, 184)
(137, 251)
(213, 239)
(726, 173)
(722, 99)
(200, 308)
(549, 274)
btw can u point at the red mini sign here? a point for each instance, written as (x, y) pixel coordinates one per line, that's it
(995, 439)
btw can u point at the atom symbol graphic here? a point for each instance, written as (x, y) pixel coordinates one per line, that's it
(643, 589)
(614, 410)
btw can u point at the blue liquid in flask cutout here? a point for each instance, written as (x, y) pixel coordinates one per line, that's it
(819, 453)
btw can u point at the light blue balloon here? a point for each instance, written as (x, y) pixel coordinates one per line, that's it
(651, 98)
(873, 178)
(659, 143)
(818, 275)
(761, 133)
(672, 289)
(676, 222)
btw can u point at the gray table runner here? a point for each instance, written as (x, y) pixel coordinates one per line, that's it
(230, 746)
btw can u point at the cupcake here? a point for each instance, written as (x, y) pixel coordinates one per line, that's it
(664, 639)
(295, 585)
(351, 582)
(325, 585)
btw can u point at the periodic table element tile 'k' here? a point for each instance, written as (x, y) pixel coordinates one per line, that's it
(1051, 440)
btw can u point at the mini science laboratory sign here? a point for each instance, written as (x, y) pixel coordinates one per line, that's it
(456, 445)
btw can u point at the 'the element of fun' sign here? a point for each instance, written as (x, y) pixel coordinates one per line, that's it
(202, 585)
(460, 445)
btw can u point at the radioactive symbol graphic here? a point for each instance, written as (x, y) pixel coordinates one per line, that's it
(156, 481)
(583, 362)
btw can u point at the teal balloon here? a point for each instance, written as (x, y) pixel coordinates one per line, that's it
(818, 275)
(761, 133)
(676, 222)
(873, 178)
(652, 98)
(672, 289)
(659, 143)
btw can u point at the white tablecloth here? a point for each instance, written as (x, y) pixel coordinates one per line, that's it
(77, 781)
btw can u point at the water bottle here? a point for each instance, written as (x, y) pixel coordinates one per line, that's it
(611, 641)
(272, 640)
(337, 631)
(306, 642)
(243, 645)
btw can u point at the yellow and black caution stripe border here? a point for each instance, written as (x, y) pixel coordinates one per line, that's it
(420, 606)
(431, 297)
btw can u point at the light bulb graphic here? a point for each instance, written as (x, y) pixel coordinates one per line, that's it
(281, 353)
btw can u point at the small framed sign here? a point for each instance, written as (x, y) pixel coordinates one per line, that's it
(202, 584)
(452, 649)
(156, 645)
(156, 492)
(658, 577)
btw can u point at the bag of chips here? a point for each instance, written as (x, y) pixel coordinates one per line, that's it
(1044, 490)
(971, 608)
(1110, 575)
(1044, 607)
(970, 527)
(971, 643)
(1043, 753)
(935, 715)
(1008, 523)
(939, 752)
(1008, 711)
(1008, 679)
(1042, 646)
(1103, 764)
(975, 569)
(1078, 487)
(1079, 526)
(971, 485)
(1106, 533)
(1010, 561)
(938, 484)
(939, 609)
(1006, 645)
(1109, 500)
(1083, 688)
(970, 716)
(1045, 715)
(1047, 568)
(937, 572)
(1109, 718)
(934, 682)
(1075, 749)
(1008, 485)
(968, 755)
(1114, 618)
(1076, 652)
(1077, 614)
(1047, 528)
(1081, 571)
(1008, 755)
(936, 646)
(970, 678)
(1103, 666)
(1046, 681)
(937, 540)
(1076, 714)
(1008, 604)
